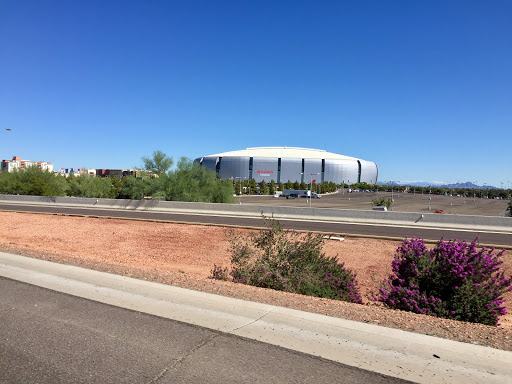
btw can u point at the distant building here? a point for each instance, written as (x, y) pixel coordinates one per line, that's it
(79, 171)
(104, 172)
(17, 164)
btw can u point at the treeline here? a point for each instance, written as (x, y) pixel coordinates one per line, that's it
(251, 187)
(187, 182)
(467, 192)
(463, 192)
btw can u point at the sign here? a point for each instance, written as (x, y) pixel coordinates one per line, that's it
(265, 172)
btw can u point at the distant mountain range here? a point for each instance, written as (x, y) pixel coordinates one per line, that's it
(467, 184)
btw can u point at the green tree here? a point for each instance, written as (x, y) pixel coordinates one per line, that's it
(296, 185)
(190, 182)
(90, 186)
(159, 163)
(33, 181)
(7, 183)
(245, 186)
(272, 187)
(253, 187)
(116, 187)
(263, 188)
(133, 188)
(238, 187)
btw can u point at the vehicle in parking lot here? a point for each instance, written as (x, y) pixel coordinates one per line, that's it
(293, 193)
(296, 193)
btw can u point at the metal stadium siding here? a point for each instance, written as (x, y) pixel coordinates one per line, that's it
(294, 164)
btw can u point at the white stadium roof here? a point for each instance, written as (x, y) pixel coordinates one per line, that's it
(285, 152)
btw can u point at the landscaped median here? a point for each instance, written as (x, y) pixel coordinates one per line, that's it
(453, 280)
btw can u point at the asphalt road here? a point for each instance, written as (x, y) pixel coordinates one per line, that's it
(51, 337)
(345, 229)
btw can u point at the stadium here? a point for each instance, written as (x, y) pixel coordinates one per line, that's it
(283, 164)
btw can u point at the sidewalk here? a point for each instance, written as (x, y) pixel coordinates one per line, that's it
(388, 351)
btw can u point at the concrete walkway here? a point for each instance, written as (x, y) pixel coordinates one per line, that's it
(393, 352)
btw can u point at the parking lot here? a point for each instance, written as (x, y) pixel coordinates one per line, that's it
(402, 202)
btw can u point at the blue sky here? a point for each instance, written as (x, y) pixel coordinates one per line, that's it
(422, 88)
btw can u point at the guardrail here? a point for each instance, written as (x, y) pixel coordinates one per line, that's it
(500, 224)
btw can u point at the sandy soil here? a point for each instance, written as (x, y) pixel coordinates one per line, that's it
(183, 255)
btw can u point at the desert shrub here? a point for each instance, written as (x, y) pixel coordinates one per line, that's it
(289, 261)
(219, 273)
(382, 202)
(453, 280)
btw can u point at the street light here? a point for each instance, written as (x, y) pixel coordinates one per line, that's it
(429, 197)
(393, 181)
(311, 187)
(310, 184)
(240, 195)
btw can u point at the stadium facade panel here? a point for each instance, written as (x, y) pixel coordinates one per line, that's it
(283, 164)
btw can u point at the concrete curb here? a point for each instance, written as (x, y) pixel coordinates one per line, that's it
(388, 351)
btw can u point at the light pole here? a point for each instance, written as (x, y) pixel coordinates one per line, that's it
(311, 187)
(429, 197)
(240, 183)
(393, 181)
(310, 184)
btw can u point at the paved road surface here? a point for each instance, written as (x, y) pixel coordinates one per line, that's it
(51, 337)
(47, 336)
(375, 230)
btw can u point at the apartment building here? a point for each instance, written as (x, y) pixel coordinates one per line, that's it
(17, 164)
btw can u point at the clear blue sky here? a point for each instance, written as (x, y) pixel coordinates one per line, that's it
(422, 88)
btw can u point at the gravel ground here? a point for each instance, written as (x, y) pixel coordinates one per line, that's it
(402, 202)
(183, 255)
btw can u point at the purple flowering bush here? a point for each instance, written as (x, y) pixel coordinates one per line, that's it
(289, 261)
(453, 280)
